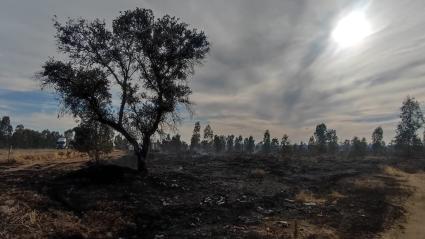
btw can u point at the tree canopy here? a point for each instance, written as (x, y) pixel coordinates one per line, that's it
(132, 77)
(411, 119)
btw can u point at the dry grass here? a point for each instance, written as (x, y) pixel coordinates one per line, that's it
(393, 171)
(336, 195)
(308, 197)
(24, 155)
(369, 183)
(273, 228)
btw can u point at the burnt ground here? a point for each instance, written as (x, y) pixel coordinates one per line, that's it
(202, 197)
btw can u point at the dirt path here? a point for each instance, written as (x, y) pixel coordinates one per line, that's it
(413, 227)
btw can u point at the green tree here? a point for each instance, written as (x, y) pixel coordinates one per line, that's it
(412, 119)
(93, 138)
(26, 138)
(143, 61)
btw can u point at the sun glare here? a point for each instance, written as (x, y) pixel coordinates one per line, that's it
(351, 30)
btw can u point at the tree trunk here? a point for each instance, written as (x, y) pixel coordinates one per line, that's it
(141, 164)
(8, 155)
(141, 154)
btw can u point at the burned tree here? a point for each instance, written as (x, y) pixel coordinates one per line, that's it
(145, 61)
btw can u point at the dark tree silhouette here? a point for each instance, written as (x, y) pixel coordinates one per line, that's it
(239, 144)
(377, 142)
(332, 141)
(285, 144)
(176, 144)
(69, 135)
(147, 61)
(346, 147)
(251, 144)
(266, 142)
(6, 130)
(274, 145)
(196, 137)
(230, 143)
(207, 143)
(219, 143)
(216, 143)
(311, 145)
(120, 142)
(321, 137)
(208, 133)
(30, 139)
(358, 147)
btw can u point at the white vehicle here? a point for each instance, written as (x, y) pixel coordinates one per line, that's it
(61, 143)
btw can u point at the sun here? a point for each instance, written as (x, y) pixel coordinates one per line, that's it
(351, 29)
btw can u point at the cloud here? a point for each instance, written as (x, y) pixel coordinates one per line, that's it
(41, 121)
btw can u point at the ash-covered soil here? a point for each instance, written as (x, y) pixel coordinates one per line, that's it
(202, 197)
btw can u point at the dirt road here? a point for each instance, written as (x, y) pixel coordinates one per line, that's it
(413, 227)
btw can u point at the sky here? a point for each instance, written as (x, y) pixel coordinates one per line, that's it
(273, 64)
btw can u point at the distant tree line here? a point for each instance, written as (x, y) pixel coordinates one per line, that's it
(24, 138)
(323, 141)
